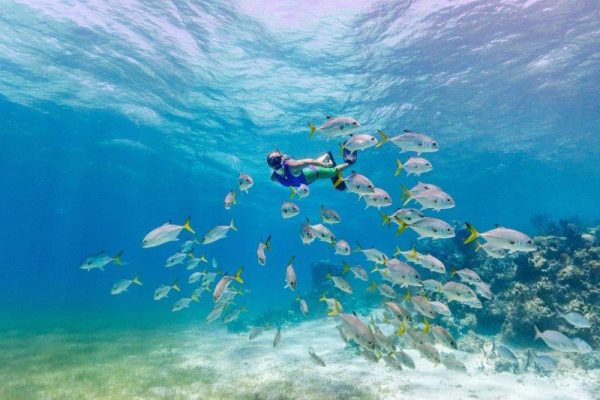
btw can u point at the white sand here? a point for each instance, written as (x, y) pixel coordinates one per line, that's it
(255, 363)
(207, 362)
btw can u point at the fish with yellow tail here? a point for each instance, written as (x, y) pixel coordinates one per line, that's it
(334, 127)
(224, 283)
(165, 233)
(504, 238)
(217, 233)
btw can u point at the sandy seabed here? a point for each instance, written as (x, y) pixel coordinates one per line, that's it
(207, 362)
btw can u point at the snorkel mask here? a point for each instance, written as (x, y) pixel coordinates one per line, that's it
(275, 159)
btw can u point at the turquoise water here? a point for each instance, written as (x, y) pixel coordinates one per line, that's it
(117, 118)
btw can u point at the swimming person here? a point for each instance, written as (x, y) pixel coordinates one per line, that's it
(290, 172)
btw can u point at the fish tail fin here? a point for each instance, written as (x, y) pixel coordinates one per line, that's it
(385, 261)
(333, 313)
(292, 258)
(358, 248)
(187, 226)
(232, 226)
(341, 146)
(473, 234)
(386, 218)
(538, 334)
(137, 280)
(407, 195)
(384, 138)
(407, 295)
(427, 327)
(373, 286)
(397, 252)
(117, 258)
(477, 246)
(401, 228)
(312, 130)
(175, 286)
(238, 275)
(190, 254)
(292, 192)
(401, 329)
(203, 258)
(345, 267)
(234, 196)
(268, 243)
(398, 167)
(413, 253)
(323, 298)
(453, 271)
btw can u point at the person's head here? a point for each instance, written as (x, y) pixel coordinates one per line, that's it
(275, 159)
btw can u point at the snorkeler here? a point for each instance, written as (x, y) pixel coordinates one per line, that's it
(290, 172)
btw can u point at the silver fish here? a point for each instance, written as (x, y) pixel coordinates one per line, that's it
(504, 238)
(175, 259)
(224, 283)
(413, 166)
(358, 271)
(329, 215)
(277, 338)
(122, 285)
(556, 340)
(303, 305)
(431, 228)
(582, 345)
(575, 319)
(342, 248)
(442, 336)
(359, 184)
(289, 210)
(290, 275)
(335, 126)
(359, 142)
(100, 261)
(165, 233)
(411, 141)
(181, 304)
(430, 199)
(163, 290)
(340, 283)
(255, 332)
(379, 198)
(358, 331)
(302, 191)
(260, 251)
(230, 199)
(429, 352)
(318, 360)
(245, 182)
(217, 233)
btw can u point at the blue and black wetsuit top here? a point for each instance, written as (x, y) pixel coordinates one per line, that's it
(288, 179)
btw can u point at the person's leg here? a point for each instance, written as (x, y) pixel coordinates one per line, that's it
(324, 158)
(342, 167)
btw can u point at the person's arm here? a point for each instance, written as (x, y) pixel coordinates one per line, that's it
(299, 164)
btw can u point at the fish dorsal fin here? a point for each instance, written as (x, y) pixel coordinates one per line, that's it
(354, 313)
(330, 116)
(497, 225)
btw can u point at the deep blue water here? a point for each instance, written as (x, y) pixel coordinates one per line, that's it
(116, 119)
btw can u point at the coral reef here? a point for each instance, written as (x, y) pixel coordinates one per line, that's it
(563, 272)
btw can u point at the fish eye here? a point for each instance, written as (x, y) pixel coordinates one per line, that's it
(529, 242)
(355, 123)
(448, 229)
